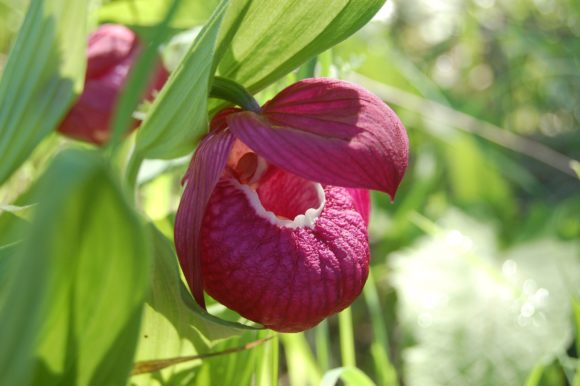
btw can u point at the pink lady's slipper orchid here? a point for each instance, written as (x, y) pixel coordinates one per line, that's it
(111, 52)
(273, 219)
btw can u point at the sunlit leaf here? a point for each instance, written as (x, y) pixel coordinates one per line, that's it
(148, 13)
(256, 46)
(72, 304)
(302, 368)
(23, 212)
(44, 73)
(179, 114)
(349, 375)
(575, 165)
(270, 38)
(173, 324)
(167, 330)
(231, 369)
(139, 75)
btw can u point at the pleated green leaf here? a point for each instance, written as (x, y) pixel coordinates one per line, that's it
(263, 40)
(44, 73)
(148, 13)
(71, 305)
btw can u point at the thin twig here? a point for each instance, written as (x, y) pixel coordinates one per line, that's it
(468, 123)
(159, 364)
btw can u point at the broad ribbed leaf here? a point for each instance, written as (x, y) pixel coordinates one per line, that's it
(44, 73)
(72, 304)
(148, 13)
(262, 40)
(179, 114)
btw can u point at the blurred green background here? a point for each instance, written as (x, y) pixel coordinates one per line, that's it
(475, 272)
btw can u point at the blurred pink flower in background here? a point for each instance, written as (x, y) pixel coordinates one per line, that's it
(111, 53)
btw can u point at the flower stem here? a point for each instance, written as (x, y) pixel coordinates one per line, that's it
(384, 369)
(322, 350)
(275, 360)
(346, 338)
(231, 91)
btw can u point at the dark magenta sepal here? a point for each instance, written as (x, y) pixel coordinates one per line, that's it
(204, 172)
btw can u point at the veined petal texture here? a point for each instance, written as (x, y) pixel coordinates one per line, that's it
(329, 131)
(204, 172)
(265, 259)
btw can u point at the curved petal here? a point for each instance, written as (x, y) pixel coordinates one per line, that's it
(204, 172)
(219, 121)
(361, 200)
(329, 131)
(286, 275)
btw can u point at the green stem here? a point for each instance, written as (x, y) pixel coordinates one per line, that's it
(346, 338)
(535, 376)
(308, 69)
(231, 91)
(385, 371)
(322, 338)
(302, 367)
(275, 359)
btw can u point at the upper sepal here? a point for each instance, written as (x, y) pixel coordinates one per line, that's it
(329, 131)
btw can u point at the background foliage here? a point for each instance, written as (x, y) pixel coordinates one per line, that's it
(475, 266)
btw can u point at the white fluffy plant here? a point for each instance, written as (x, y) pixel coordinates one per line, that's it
(480, 315)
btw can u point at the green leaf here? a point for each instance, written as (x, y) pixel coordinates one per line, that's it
(171, 298)
(576, 308)
(173, 324)
(7, 253)
(23, 212)
(302, 367)
(44, 73)
(350, 376)
(386, 372)
(179, 113)
(535, 376)
(72, 304)
(473, 176)
(575, 165)
(263, 40)
(148, 13)
(235, 368)
(138, 78)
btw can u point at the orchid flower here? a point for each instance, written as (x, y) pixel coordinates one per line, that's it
(111, 52)
(273, 219)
